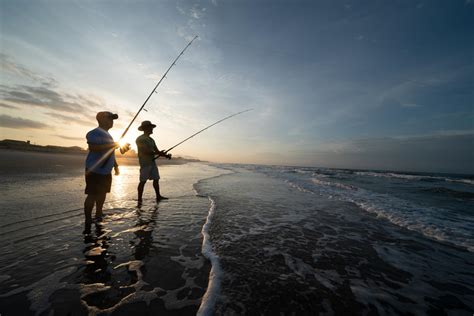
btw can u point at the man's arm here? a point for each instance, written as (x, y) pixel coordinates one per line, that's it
(116, 168)
(102, 147)
(143, 148)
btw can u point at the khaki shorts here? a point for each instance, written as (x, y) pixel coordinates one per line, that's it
(149, 173)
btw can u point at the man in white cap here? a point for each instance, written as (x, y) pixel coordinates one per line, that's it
(147, 152)
(99, 164)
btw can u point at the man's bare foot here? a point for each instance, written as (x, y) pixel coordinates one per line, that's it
(161, 198)
(87, 228)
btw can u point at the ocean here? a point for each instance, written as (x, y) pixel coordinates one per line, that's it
(237, 240)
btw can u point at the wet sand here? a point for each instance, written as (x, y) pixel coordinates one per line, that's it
(138, 260)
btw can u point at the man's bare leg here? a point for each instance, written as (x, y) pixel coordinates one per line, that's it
(88, 206)
(156, 186)
(100, 199)
(141, 187)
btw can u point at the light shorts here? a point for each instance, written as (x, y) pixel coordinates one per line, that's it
(149, 173)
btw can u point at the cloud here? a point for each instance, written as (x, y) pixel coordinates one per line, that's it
(197, 13)
(44, 97)
(19, 123)
(10, 66)
(69, 137)
(90, 120)
(43, 93)
(7, 106)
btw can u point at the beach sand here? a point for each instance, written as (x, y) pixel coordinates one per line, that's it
(145, 260)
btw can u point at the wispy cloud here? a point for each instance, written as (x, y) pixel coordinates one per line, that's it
(80, 120)
(20, 123)
(7, 106)
(197, 12)
(8, 65)
(44, 97)
(69, 137)
(43, 93)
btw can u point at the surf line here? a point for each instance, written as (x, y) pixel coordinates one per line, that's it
(209, 299)
(106, 155)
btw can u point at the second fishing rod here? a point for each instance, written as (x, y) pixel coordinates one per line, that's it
(166, 152)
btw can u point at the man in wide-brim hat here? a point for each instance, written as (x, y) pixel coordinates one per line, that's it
(147, 152)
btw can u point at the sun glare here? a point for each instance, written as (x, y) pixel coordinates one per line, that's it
(129, 137)
(122, 142)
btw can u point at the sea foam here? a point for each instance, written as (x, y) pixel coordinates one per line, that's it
(210, 297)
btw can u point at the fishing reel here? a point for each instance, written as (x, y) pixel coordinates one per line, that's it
(124, 148)
(164, 154)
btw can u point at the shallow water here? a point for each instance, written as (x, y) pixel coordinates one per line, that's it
(145, 259)
(239, 239)
(288, 244)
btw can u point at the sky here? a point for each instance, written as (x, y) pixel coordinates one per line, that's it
(382, 84)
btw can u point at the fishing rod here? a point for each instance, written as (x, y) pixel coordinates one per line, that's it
(163, 153)
(104, 159)
(154, 89)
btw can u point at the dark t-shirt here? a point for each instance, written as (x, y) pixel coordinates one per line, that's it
(144, 141)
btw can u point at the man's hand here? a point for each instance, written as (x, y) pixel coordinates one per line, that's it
(125, 148)
(163, 153)
(117, 170)
(103, 147)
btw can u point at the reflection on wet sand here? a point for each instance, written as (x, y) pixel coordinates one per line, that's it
(146, 221)
(105, 286)
(96, 256)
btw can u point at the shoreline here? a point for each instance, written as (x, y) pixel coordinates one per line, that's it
(14, 161)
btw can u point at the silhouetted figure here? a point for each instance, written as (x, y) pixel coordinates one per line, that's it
(99, 163)
(147, 151)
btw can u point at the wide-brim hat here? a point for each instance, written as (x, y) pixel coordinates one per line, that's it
(146, 124)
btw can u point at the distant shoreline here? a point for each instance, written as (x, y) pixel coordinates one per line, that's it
(14, 161)
(130, 158)
(14, 144)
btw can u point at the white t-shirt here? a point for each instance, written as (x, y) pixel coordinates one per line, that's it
(100, 162)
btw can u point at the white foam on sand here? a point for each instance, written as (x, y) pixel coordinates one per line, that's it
(40, 291)
(210, 297)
